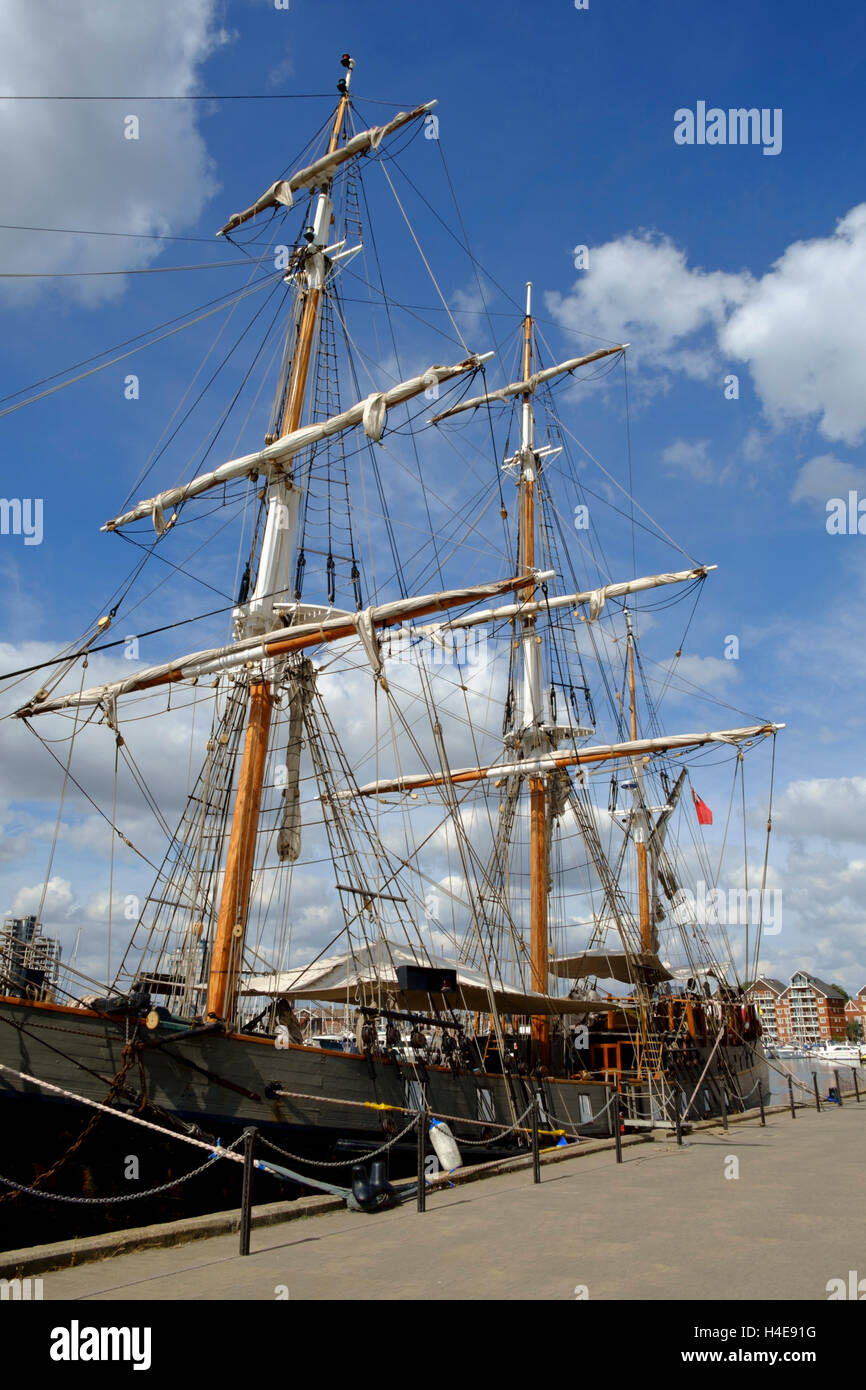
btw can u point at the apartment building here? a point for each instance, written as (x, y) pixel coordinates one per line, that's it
(807, 1010)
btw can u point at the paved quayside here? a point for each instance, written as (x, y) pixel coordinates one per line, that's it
(667, 1224)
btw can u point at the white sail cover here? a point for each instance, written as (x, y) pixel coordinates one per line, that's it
(322, 170)
(368, 975)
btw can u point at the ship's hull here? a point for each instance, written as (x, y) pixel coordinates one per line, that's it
(317, 1104)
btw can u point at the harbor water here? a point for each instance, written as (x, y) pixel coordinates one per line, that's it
(801, 1069)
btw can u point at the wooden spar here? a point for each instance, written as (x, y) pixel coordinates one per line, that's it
(537, 790)
(234, 904)
(646, 943)
(538, 909)
(228, 948)
(575, 758)
(309, 317)
(250, 651)
(516, 388)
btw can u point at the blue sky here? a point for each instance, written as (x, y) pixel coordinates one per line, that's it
(556, 125)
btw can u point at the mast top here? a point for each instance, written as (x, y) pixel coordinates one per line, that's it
(528, 298)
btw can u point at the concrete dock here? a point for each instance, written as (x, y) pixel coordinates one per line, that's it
(753, 1213)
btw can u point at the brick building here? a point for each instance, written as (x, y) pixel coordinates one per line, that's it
(855, 1010)
(817, 1009)
(767, 995)
(807, 1010)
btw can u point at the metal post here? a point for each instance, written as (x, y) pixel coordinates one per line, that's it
(536, 1157)
(678, 1113)
(761, 1103)
(856, 1087)
(838, 1087)
(724, 1098)
(817, 1095)
(791, 1097)
(247, 1191)
(617, 1125)
(422, 1177)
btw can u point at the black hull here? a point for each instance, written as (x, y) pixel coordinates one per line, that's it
(311, 1103)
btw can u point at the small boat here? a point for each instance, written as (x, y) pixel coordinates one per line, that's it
(840, 1054)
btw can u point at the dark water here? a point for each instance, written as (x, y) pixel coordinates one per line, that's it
(801, 1069)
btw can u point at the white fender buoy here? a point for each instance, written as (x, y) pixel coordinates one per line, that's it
(445, 1146)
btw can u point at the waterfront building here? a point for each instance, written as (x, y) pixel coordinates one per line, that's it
(855, 1010)
(29, 961)
(767, 995)
(807, 1010)
(816, 1009)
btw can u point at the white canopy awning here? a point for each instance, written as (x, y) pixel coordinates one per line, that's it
(368, 975)
(610, 965)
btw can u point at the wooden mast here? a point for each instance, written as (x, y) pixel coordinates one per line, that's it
(539, 953)
(227, 954)
(646, 942)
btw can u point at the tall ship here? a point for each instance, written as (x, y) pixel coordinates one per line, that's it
(440, 849)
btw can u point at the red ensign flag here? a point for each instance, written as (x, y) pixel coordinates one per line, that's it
(705, 815)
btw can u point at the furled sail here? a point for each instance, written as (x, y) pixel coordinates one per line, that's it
(370, 413)
(289, 835)
(567, 757)
(322, 171)
(529, 384)
(661, 873)
(278, 643)
(594, 599)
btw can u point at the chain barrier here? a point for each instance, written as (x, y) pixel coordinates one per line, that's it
(127, 1197)
(129, 1056)
(482, 1143)
(340, 1162)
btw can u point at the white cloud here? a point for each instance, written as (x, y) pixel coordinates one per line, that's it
(832, 808)
(800, 327)
(801, 331)
(639, 289)
(826, 476)
(69, 164)
(692, 459)
(59, 898)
